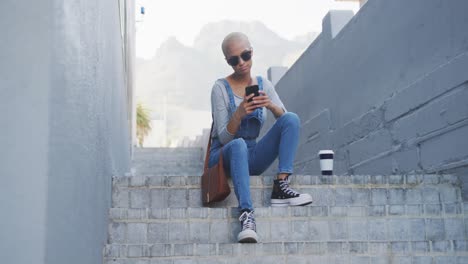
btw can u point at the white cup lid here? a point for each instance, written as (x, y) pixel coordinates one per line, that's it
(326, 151)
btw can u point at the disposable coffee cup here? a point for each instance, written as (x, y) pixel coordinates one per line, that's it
(326, 161)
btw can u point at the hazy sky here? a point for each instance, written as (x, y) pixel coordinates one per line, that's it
(184, 18)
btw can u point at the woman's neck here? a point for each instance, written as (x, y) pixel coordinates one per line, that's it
(244, 78)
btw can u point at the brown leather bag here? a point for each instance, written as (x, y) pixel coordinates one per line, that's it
(214, 182)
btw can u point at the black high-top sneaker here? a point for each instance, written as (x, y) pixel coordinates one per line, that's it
(249, 229)
(283, 195)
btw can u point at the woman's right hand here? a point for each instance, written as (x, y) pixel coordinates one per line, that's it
(246, 107)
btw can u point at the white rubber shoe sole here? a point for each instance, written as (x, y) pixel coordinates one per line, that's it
(247, 236)
(303, 199)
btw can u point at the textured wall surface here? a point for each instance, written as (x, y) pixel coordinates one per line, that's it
(24, 90)
(64, 106)
(387, 92)
(276, 73)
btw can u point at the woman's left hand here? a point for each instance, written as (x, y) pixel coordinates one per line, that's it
(262, 100)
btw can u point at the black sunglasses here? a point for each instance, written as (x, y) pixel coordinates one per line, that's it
(234, 60)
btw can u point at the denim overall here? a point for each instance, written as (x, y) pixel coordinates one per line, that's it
(243, 156)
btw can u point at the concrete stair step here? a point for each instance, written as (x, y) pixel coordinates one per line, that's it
(310, 223)
(184, 191)
(193, 181)
(167, 150)
(343, 252)
(195, 157)
(164, 153)
(148, 215)
(168, 167)
(167, 163)
(139, 155)
(169, 170)
(173, 158)
(286, 229)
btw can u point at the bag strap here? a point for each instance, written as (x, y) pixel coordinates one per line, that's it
(207, 156)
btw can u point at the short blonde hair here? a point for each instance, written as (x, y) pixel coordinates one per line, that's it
(231, 37)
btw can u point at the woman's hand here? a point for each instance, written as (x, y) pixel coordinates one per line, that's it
(246, 107)
(262, 100)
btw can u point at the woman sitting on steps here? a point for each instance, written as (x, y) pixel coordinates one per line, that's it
(237, 124)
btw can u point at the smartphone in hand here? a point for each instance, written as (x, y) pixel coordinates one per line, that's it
(253, 89)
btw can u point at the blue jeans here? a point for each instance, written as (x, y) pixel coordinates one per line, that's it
(248, 157)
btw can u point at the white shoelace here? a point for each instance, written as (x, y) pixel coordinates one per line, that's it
(284, 185)
(248, 221)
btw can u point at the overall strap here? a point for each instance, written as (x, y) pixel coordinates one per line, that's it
(232, 104)
(260, 88)
(260, 83)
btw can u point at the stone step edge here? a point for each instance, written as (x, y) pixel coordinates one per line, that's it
(307, 212)
(167, 153)
(319, 180)
(197, 162)
(459, 247)
(138, 154)
(166, 148)
(446, 258)
(188, 162)
(292, 185)
(161, 158)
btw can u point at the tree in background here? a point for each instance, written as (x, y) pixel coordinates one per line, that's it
(143, 123)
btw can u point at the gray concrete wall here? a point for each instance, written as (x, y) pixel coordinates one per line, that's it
(276, 73)
(130, 49)
(65, 129)
(387, 92)
(24, 90)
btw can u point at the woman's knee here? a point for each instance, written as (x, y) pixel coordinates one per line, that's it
(238, 144)
(236, 150)
(291, 118)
